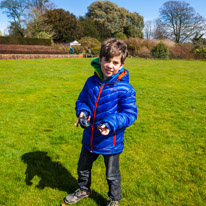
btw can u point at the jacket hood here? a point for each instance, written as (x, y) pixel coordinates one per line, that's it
(122, 75)
(95, 63)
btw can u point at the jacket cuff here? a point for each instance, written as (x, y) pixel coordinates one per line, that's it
(84, 111)
(107, 125)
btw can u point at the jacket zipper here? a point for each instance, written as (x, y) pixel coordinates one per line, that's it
(95, 109)
(114, 141)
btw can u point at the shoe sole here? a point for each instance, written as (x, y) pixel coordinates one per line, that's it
(71, 203)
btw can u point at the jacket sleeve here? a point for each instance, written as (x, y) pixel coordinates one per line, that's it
(82, 101)
(127, 112)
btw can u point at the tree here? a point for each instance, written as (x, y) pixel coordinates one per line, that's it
(65, 25)
(94, 28)
(37, 26)
(108, 12)
(89, 28)
(15, 10)
(40, 5)
(181, 21)
(116, 18)
(103, 30)
(148, 29)
(134, 25)
(198, 41)
(159, 32)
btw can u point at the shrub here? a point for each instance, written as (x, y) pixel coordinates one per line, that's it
(144, 52)
(167, 42)
(61, 47)
(182, 51)
(133, 45)
(120, 35)
(88, 43)
(96, 50)
(200, 53)
(78, 49)
(24, 41)
(160, 51)
(29, 49)
(148, 44)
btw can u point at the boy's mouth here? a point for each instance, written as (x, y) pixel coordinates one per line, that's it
(108, 71)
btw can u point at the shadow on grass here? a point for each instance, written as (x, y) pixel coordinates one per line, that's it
(52, 174)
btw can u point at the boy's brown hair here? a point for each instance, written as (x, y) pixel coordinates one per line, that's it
(113, 47)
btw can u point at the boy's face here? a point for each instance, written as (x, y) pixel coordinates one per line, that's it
(110, 67)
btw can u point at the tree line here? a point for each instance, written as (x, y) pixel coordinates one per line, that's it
(40, 19)
(178, 21)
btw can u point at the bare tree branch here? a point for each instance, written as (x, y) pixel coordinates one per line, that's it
(180, 21)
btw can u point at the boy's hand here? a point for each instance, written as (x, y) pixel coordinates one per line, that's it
(103, 130)
(80, 117)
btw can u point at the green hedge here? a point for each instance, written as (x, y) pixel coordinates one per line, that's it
(24, 41)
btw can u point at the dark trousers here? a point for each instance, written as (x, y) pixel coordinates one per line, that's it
(112, 172)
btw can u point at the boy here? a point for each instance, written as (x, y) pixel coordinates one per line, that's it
(109, 102)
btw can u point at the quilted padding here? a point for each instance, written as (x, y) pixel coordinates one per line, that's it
(112, 103)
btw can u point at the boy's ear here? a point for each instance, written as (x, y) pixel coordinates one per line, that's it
(123, 64)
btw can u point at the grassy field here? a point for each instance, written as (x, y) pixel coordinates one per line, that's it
(164, 160)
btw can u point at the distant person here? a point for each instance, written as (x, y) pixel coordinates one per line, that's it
(108, 101)
(90, 53)
(71, 50)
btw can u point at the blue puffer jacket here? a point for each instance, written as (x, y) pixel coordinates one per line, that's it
(111, 102)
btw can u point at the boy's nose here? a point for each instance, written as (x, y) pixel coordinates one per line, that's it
(110, 64)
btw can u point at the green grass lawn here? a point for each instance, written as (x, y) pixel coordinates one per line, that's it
(164, 160)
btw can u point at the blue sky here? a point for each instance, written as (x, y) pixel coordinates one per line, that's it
(149, 9)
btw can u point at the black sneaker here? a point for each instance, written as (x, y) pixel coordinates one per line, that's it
(76, 196)
(112, 202)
